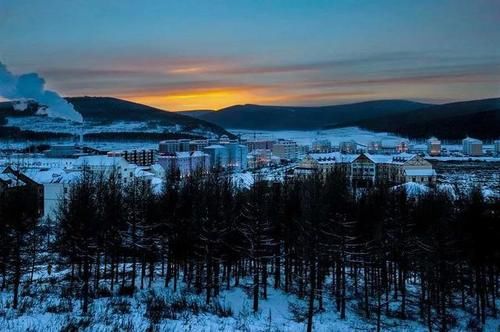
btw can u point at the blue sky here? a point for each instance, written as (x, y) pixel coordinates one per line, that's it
(210, 54)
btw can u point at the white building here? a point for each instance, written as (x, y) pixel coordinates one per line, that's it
(56, 186)
(107, 164)
(174, 145)
(139, 157)
(57, 175)
(285, 149)
(236, 155)
(366, 169)
(472, 147)
(186, 163)
(218, 155)
(20, 161)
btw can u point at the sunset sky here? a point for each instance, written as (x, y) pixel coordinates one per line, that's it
(195, 54)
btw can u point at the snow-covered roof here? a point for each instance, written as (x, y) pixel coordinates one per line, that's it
(11, 180)
(39, 162)
(334, 156)
(52, 175)
(183, 154)
(100, 160)
(471, 140)
(420, 172)
(379, 158)
(349, 158)
(198, 154)
(214, 146)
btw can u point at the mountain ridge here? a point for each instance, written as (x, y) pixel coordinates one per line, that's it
(251, 116)
(478, 118)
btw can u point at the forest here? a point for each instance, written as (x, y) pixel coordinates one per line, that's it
(377, 250)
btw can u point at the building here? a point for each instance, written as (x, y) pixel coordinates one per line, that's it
(224, 139)
(52, 178)
(388, 146)
(433, 146)
(124, 170)
(198, 145)
(13, 179)
(56, 184)
(366, 169)
(168, 146)
(186, 163)
(218, 155)
(374, 147)
(363, 171)
(174, 145)
(260, 158)
(348, 147)
(62, 151)
(404, 168)
(321, 146)
(259, 145)
(423, 176)
(285, 149)
(472, 147)
(142, 157)
(236, 155)
(497, 148)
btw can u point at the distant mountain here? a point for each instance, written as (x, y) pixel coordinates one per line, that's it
(105, 110)
(476, 118)
(303, 118)
(195, 113)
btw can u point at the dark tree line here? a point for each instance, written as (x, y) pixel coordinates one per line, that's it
(380, 251)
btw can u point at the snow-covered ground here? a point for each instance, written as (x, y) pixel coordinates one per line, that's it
(42, 123)
(336, 136)
(43, 308)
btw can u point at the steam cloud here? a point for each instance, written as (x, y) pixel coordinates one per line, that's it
(31, 86)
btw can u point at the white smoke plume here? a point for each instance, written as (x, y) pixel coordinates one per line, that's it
(31, 86)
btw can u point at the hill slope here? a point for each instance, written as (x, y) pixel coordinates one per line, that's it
(477, 118)
(303, 118)
(106, 110)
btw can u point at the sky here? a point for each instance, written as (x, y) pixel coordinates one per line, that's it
(197, 54)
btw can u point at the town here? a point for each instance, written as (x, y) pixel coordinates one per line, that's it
(394, 162)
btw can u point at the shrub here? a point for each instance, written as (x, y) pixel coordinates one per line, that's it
(298, 311)
(25, 304)
(157, 309)
(63, 305)
(220, 310)
(126, 291)
(76, 324)
(67, 292)
(103, 292)
(120, 306)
